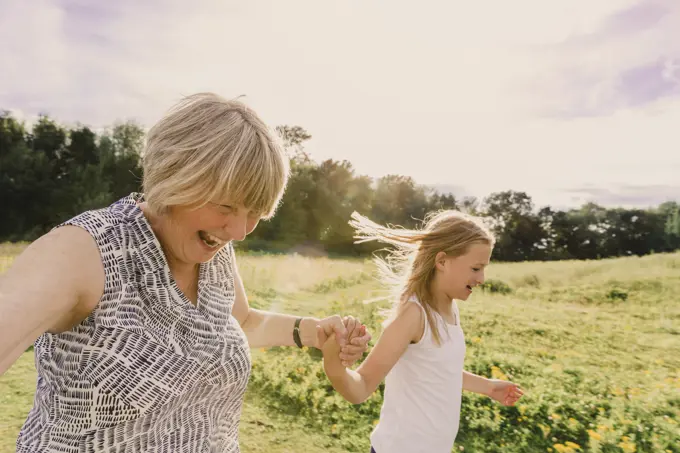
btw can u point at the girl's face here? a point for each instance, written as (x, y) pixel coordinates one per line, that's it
(457, 277)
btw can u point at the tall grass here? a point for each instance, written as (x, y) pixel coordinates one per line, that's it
(601, 370)
(595, 345)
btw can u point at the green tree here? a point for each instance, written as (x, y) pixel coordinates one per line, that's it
(520, 234)
(121, 150)
(399, 201)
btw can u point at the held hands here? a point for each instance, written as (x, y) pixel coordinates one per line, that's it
(506, 393)
(346, 337)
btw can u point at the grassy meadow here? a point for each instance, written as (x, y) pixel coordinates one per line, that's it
(595, 345)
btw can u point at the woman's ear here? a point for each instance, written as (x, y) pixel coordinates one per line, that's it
(440, 261)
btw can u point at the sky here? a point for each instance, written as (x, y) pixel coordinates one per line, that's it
(568, 100)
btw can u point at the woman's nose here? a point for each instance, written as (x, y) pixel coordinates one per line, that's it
(238, 228)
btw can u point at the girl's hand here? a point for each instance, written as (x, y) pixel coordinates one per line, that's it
(357, 341)
(506, 393)
(329, 344)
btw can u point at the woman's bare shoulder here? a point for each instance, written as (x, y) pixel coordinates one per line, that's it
(65, 267)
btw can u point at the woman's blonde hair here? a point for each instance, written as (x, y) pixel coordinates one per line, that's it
(408, 269)
(209, 148)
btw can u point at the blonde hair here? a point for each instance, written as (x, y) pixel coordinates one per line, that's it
(409, 268)
(209, 148)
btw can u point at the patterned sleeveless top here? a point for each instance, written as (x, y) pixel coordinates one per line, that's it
(146, 371)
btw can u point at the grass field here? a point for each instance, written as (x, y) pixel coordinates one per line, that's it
(595, 345)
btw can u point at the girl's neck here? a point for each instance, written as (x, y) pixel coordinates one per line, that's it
(439, 298)
(442, 303)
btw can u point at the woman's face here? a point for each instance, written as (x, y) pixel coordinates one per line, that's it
(194, 235)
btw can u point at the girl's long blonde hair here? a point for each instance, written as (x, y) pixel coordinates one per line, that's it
(408, 268)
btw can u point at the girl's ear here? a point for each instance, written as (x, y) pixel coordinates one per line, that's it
(440, 260)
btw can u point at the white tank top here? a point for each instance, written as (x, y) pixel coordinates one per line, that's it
(421, 407)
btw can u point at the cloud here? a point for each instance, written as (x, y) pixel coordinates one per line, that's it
(631, 60)
(532, 96)
(636, 18)
(625, 195)
(565, 198)
(100, 62)
(93, 61)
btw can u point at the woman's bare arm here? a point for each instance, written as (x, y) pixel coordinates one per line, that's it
(50, 287)
(266, 328)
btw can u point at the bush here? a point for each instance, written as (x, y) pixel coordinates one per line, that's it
(567, 408)
(496, 286)
(615, 294)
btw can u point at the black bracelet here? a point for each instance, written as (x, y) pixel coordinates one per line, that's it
(296, 333)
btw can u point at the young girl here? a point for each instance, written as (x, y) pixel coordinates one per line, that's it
(421, 351)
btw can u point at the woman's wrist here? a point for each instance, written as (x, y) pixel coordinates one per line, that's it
(308, 332)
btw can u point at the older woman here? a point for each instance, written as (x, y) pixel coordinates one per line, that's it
(143, 326)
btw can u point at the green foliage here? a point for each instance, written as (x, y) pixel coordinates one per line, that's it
(496, 286)
(588, 388)
(294, 382)
(571, 408)
(601, 374)
(617, 294)
(51, 173)
(340, 283)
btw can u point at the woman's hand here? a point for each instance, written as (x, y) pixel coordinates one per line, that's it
(350, 335)
(506, 393)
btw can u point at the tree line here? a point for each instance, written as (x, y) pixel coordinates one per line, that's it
(50, 172)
